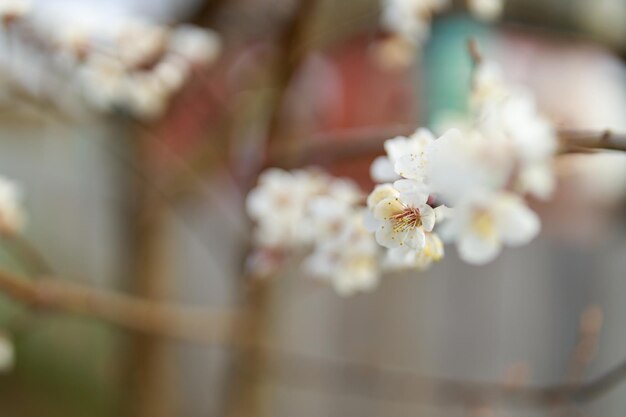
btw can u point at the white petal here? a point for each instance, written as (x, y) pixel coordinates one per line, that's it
(369, 222)
(379, 193)
(434, 247)
(382, 170)
(517, 223)
(409, 186)
(415, 239)
(386, 237)
(409, 166)
(477, 251)
(414, 199)
(387, 208)
(538, 180)
(443, 212)
(396, 147)
(428, 217)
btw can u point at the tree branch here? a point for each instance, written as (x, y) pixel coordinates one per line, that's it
(198, 325)
(164, 320)
(368, 142)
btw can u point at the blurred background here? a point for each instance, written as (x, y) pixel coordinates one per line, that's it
(141, 191)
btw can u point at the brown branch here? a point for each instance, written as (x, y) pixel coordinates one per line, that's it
(368, 142)
(198, 325)
(401, 386)
(190, 324)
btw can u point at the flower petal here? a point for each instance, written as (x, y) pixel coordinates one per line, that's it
(475, 250)
(516, 223)
(369, 222)
(409, 186)
(427, 214)
(415, 239)
(387, 208)
(382, 170)
(379, 193)
(409, 166)
(414, 199)
(386, 236)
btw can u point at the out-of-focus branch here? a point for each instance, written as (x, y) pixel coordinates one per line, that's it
(292, 52)
(368, 142)
(589, 332)
(188, 324)
(201, 326)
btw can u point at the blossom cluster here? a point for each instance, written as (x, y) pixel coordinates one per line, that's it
(308, 211)
(126, 64)
(466, 187)
(474, 182)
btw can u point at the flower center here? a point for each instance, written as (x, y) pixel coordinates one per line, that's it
(407, 219)
(483, 225)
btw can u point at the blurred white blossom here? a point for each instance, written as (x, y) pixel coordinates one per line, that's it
(482, 225)
(140, 43)
(12, 217)
(310, 211)
(125, 65)
(481, 173)
(488, 10)
(410, 19)
(195, 44)
(13, 9)
(348, 258)
(385, 168)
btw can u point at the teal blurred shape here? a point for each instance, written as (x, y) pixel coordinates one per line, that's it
(446, 66)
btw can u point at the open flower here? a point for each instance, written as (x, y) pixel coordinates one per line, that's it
(413, 148)
(482, 226)
(403, 219)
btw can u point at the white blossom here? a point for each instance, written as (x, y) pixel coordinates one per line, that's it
(403, 219)
(172, 72)
(463, 164)
(14, 9)
(410, 18)
(12, 217)
(483, 225)
(195, 44)
(488, 10)
(279, 206)
(349, 259)
(386, 168)
(140, 43)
